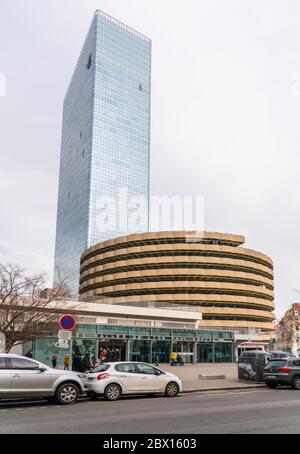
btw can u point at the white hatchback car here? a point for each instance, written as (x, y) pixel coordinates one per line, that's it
(112, 380)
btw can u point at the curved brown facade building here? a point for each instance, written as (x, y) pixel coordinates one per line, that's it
(211, 272)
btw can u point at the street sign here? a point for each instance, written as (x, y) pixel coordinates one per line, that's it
(2, 343)
(65, 335)
(62, 344)
(67, 322)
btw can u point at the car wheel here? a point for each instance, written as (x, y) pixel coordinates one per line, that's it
(112, 392)
(172, 389)
(271, 385)
(296, 382)
(67, 394)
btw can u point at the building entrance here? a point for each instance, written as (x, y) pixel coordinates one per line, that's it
(113, 344)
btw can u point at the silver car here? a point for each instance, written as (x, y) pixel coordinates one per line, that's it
(26, 378)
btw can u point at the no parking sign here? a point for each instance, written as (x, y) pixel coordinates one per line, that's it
(67, 322)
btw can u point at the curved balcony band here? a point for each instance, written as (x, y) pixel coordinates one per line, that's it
(208, 271)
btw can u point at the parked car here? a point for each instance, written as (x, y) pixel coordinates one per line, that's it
(112, 380)
(282, 371)
(251, 365)
(23, 377)
(280, 354)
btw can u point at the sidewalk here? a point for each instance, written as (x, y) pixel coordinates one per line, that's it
(189, 375)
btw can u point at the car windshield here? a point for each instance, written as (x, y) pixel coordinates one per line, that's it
(100, 368)
(278, 363)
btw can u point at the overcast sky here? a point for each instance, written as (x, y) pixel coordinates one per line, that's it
(225, 118)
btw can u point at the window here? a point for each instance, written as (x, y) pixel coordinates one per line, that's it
(26, 364)
(100, 368)
(140, 87)
(296, 363)
(280, 363)
(80, 134)
(83, 153)
(145, 369)
(3, 363)
(129, 368)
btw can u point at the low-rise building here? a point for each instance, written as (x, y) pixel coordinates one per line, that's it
(288, 330)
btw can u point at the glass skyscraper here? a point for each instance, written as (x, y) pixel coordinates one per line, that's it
(105, 151)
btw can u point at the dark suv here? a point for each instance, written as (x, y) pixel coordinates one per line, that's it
(282, 371)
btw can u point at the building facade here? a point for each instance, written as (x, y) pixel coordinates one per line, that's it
(141, 334)
(104, 163)
(209, 272)
(288, 331)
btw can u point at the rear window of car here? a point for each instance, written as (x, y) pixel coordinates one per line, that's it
(127, 367)
(276, 363)
(100, 368)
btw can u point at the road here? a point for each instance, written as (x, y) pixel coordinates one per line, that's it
(259, 411)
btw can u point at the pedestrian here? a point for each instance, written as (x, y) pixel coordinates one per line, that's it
(54, 361)
(86, 362)
(29, 354)
(117, 355)
(66, 362)
(77, 365)
(113, 354)
(108, 355)
(102, 355)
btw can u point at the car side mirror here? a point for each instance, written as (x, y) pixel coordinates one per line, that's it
(157, 372)
(42, 369)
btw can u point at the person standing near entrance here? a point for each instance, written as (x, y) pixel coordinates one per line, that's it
(117, 355)
(54, 361)
(108, 355)
(102, 355)
(77, 365)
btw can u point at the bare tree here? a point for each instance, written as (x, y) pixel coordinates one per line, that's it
(24, 314)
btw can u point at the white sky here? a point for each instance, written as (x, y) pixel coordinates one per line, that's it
(225, 117)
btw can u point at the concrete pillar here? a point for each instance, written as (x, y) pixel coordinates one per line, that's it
(195, 352)
(127, 355)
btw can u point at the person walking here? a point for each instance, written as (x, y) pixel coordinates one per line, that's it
(54, 361)
(86, 362)
(66, 362)
(29, 354)
(113, 354)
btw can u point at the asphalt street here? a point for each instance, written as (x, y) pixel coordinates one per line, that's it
(259, 411)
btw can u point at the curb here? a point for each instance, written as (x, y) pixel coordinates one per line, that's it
(229, 388)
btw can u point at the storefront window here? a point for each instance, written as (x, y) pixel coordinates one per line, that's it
(82, 346)
(140, 351)
(223, 352)
(45, 349)
(185, 350)
(205, 352)
(161, 351)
